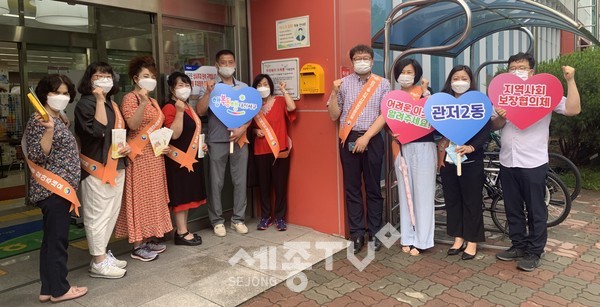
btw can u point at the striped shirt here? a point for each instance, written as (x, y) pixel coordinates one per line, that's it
(349, 90)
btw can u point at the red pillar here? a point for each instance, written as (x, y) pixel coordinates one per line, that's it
(315, 191)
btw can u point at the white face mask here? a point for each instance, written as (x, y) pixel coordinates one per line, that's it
(106, 84)
(226, 71)
(264, 91)
(362, 67)
(58, 102)
(148, 84)
(183, 93)
(523, 74)
(406, 80)
(460, 87)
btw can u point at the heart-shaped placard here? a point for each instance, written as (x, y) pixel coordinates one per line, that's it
(458, 119)
(405, 116)
(234, 107)
(525, 102)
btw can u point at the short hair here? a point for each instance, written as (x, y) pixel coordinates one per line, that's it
(405, 62)
(522, 57)
(172, 80)
(448, 85)
(86, 85)
(140, 62)
(51, 83)
(259, 78)
(360, 49)
(224, 52)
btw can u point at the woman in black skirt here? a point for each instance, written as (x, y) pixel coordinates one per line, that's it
(185, 173)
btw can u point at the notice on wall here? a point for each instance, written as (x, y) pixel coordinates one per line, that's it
(199, 76)
(293, 33)
(286, 70)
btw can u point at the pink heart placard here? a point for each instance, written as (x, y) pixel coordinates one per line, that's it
(525, 102)
(405, 116)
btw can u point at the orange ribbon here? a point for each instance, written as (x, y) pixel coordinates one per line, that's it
(108, 173)
(188, 158)
(55, 184)
(261, 121)
(138, 142)
(358, 106)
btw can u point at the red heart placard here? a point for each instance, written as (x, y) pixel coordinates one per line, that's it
(525, 102)
(405, 116)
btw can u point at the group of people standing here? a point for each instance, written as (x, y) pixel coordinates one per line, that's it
(133, 191)
(355, 101)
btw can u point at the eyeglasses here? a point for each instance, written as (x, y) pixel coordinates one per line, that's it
(366, 59)
(513, 68)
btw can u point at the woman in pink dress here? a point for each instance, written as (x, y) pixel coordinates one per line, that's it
(144, 212)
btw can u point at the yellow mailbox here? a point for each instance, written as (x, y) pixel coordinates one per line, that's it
(312, 79)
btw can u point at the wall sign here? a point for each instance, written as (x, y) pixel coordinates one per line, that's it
(293, 33)
(286, 70)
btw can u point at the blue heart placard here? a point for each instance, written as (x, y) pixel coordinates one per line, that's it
(234, 107)
(458, 119)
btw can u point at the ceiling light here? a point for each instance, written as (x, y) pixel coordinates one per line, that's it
(61, 13)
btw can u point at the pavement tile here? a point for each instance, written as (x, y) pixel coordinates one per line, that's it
(319, 298)
(546, 299)
(591, 297)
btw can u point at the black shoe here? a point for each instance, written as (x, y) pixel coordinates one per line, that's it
(376, 243)
(359, 242)
(467, 256)
(181, 240)
(529, 262)
(456, 251)
(512, 253)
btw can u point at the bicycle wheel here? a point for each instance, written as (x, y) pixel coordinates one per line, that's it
(558, 200)
(567, 171)
(440, 203)
(499, 214)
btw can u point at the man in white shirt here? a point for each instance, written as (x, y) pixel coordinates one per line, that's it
(524, 164)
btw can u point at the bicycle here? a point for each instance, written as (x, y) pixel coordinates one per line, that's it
(557, 197)
(557, 164)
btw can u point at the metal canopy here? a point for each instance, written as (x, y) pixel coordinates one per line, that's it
(441, 23)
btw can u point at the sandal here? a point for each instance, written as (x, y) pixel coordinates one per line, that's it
(73, 293)
(406, 249)
(44, 298)
(415, 251)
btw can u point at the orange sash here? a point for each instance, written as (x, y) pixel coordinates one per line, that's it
(416, 92)
(52, 182)
(138, 142)
(188, 158)
(261, 121)
(358, 106)
(108, 173)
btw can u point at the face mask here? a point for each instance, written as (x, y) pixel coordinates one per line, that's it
(406, 80)
(362, 67)
(264, 91)
(148, 84)
(183, 93)
(105, 84)
(523, 74)
(58, 102)
(226, 71)
(460, 87)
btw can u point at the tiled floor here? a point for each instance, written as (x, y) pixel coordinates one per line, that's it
(204, 275)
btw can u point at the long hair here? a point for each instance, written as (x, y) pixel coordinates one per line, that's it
(448, 85)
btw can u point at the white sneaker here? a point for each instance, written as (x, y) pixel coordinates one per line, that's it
(104, 269)
(220, 230)
(239, 227)
(121, 264)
